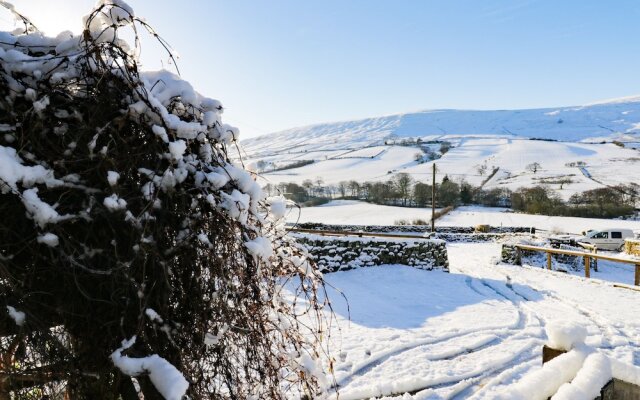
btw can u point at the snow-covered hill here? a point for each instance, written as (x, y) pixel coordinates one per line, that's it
(618, 118)
(571, 153)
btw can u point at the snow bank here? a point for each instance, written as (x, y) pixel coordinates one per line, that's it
(595, 373)
(544, 383)
(625, 372)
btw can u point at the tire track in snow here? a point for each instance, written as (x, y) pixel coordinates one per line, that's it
(380, 358)
(612, 336)
(513, 332)
(524, 354)
(606, 328)
(529, 316)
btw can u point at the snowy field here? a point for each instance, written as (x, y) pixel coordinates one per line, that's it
(474, 215)
(347, 167)
(565, 167)
(352, 212)
(467, 334)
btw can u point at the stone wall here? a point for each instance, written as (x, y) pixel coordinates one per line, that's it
(410, 228)
(477, 237)
(337, 253)
(510, 255)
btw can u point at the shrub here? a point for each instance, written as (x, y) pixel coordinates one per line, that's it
(315, 201)
(129, 244)
(596, 203)
(482, 228)
(618, 143)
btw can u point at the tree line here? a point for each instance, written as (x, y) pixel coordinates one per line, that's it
(399, 190)
(606, 202)
(402, 189)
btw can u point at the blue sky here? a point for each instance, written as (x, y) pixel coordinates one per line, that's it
(279, 64)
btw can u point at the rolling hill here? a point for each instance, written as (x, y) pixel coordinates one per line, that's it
(573, 145)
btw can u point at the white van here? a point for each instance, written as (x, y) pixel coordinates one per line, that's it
(607, 239)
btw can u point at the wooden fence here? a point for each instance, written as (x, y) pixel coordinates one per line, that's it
(587, 258)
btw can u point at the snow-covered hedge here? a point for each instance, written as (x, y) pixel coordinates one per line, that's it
(345, 253)
(130, 244)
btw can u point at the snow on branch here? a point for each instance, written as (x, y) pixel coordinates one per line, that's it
(119, 196)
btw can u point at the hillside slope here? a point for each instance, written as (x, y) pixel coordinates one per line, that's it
(615, 119)
(571, 156)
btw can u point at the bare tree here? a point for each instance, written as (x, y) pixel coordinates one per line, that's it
(261, 165)
(482, 169)
(308, 185)
(354, 187)
(342, 188)
(533, 167)
(403, 183)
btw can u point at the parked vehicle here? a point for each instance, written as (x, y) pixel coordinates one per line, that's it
(607, 239)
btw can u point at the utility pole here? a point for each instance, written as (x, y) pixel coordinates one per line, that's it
(433, 200)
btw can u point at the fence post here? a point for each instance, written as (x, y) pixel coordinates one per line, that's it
(587, 267)
(636, 279)
(595, 260)
(548, 260)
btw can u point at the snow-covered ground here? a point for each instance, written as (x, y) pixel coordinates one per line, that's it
(352, 212)
(565, 167)
(466, 334)
(343, 168)
(474, 215)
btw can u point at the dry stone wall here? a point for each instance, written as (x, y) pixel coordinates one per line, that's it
(344, 253)
(511, 255)
(411, 228)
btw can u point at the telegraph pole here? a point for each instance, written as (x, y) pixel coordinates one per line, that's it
(433, 200)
